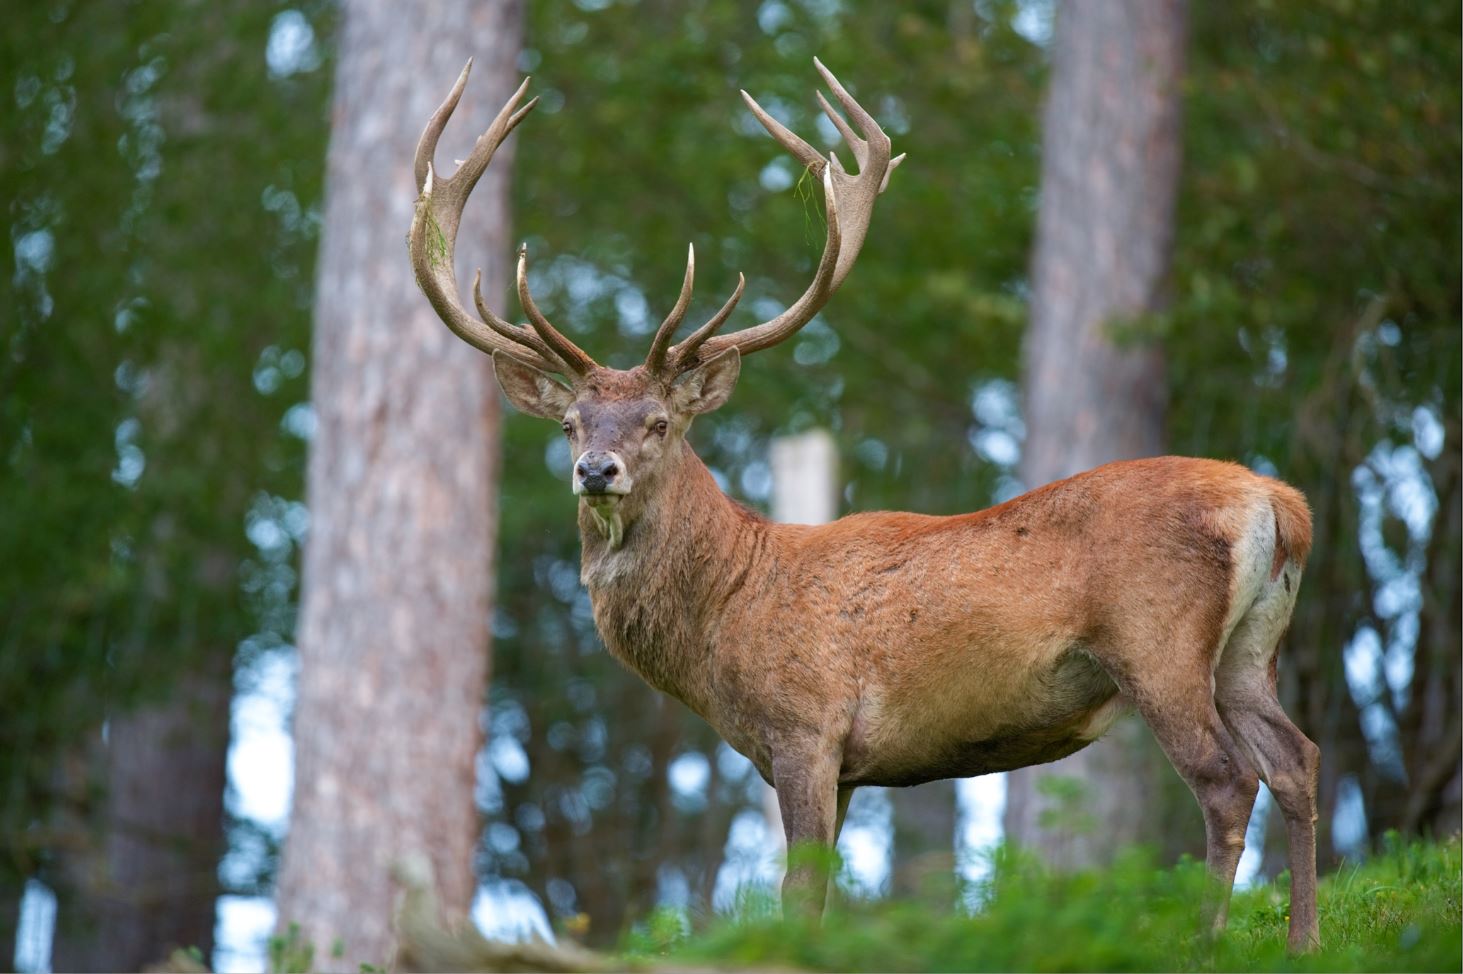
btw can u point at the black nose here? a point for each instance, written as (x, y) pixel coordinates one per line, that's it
(596, 470)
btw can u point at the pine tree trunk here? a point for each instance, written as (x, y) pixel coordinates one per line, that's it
(149, 885)
(1110, 167)
(922, 860)
(398, 573)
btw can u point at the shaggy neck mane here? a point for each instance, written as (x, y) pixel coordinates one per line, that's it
(683, 555)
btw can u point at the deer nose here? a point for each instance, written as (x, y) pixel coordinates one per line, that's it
(596, 471)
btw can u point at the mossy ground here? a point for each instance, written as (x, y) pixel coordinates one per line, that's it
(1401, 910)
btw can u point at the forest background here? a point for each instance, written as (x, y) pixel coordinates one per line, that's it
(163, 168)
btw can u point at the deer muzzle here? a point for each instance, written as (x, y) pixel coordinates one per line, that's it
(601, 473)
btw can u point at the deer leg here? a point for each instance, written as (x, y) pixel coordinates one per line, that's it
(808, 796)
(1189, 730)
(1290, 763)
(1287, 760)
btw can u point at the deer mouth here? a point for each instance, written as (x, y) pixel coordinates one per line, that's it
(603, 499)
(602, 491)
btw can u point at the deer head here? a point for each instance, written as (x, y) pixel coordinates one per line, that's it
(626, 428)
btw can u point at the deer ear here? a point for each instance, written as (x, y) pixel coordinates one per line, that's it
(707, 386)
(531, 390)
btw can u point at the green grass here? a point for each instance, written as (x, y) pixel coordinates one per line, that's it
(1399, 911)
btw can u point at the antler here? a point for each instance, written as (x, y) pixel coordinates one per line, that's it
(849, 200)
(433, 237)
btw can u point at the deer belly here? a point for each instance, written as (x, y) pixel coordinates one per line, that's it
(980, 726)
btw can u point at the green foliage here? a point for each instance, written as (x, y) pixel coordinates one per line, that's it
(1066, 809)
(1321, 144)
(290, 952)
(161, 184)
(662, 931)
(1399, 911)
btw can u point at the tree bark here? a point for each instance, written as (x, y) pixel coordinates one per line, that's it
(149, 883)
(398, 572)
(1110, 165)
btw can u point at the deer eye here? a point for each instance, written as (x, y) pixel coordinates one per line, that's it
(660, 427)
(567, 427)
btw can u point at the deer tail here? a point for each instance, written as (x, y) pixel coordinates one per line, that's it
(1292, 525)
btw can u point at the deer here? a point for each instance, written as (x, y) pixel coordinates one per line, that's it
(891, 649)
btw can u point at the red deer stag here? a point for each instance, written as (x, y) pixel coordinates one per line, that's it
(893, 649)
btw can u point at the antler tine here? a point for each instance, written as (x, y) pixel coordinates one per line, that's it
(684, 355)
(789, 139)
(504, 123)
(863, 118)
(572, 355)
(433, 239)
(514, 333)
(849, 198)
(427, 144)
(839, 122)
(655, 360)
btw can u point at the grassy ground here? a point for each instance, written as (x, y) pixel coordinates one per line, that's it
(1402, 910)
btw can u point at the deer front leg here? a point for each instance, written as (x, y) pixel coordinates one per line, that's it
(807, 795)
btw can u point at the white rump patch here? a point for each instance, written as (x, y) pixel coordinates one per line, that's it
(1251, 558)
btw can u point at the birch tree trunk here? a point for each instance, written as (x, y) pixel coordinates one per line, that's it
(1110, 166)
(398, 572)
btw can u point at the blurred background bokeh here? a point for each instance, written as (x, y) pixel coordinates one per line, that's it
(163, 172)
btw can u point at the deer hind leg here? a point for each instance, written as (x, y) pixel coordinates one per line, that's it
(1175, 699)
(1287, 760)
(1223, 782)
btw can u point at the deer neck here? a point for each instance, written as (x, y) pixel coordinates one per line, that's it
(681, 552)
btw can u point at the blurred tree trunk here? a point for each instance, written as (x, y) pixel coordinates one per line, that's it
(1433, 726)
(10, 897)
(656, 828)
(143, 879)
(138, 874)
(1110, 165)
(1333, 434)
(922, 858)
(398, 572)
(1430, 725)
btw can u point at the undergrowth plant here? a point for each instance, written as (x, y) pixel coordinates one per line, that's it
(1398, 911)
